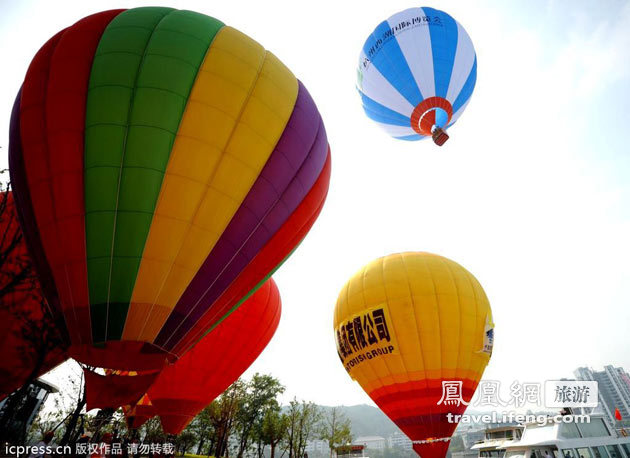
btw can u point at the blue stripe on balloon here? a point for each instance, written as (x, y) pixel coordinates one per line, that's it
(390, 61)
(381, 113)
(467, 88)
(411, 137)
(444, 46)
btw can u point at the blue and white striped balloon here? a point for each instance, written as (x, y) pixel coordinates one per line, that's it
(416, 74)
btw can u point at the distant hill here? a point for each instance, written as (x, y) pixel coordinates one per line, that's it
(367, 420)
(371, 421)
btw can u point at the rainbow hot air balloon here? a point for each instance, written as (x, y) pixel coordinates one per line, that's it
(164, 164)
(416, 74)
(415, 329)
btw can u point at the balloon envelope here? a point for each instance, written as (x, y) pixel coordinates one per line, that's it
(416, 73)
(165, 164)
(183, 389)
(140, 413)
(408, 326)
(22, 309)
(115, 389)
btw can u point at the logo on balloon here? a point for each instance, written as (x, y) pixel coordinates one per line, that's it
(392, 32)
(488, 337)
(365, 336)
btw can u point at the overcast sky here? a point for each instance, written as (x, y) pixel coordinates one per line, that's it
(531, 194)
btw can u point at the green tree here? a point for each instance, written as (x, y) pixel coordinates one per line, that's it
(76, 419)
(64, 402)
(261, 395)
(273, 429)
(203, 428)
(335, 429)
(152, 431)
(222, 414)
(118, 426)
(303, 418)
(185, 440)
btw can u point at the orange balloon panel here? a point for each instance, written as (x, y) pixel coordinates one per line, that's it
(415, 331)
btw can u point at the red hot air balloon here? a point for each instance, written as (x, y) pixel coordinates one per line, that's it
(116, 388)
(25, 331)
(164, 166)
(216, 361)
(200, 375)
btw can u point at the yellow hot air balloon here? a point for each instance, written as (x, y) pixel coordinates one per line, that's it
(415, 330)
